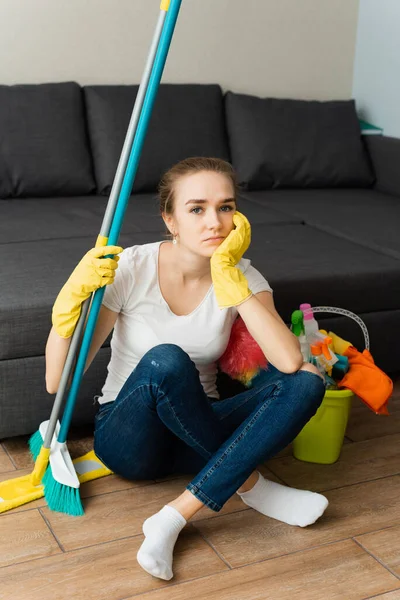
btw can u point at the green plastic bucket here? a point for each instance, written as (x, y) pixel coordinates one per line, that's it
(321, 439)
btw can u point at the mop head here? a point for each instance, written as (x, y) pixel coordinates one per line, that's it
(18, 491)
(243, 357)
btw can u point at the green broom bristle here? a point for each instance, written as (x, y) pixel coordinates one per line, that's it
(61, 498)
(35, 444)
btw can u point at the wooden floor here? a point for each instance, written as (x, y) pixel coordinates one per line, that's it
(352, 552)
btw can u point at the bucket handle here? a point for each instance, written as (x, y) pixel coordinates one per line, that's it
(341, 311)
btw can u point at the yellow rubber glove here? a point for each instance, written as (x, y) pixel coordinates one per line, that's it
(230, 285)
(91, 273)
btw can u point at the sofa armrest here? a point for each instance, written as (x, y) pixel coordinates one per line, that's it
(385, 156)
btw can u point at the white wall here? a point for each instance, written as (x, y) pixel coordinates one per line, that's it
(376, 85)
(285, 48)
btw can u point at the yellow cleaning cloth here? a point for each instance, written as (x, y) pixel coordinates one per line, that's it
(339, 344)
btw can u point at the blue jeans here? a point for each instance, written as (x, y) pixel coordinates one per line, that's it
(163, 423)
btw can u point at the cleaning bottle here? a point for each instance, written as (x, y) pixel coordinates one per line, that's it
(326, 357)
(325, 334)
(328, 354)
(297, 328)
(310, 325)
(316, 358)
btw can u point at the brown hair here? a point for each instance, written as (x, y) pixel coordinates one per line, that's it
(195, 164)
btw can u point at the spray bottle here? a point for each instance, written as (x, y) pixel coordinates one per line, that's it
(298, 329)
(328, 358)
(310, 325)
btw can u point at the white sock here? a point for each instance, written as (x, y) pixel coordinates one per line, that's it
(290, 505)
(161, 531)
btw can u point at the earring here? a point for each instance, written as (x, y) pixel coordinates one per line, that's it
(174, 241)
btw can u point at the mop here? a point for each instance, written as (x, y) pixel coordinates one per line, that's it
(61, 479)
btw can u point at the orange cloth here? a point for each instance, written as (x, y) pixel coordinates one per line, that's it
(367, 381)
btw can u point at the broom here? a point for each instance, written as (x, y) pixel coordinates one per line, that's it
(61, 484)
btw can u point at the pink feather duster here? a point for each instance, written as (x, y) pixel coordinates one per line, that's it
(243, 357)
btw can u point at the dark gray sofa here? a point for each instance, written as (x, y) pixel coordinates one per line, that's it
(323, 201)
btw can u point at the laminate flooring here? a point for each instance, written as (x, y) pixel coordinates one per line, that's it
(351, 553)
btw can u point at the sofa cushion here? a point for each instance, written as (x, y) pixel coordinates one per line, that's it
(305, 264)
(187, 120)
(43, 144)
(278, 143)
(366, 217)
(385, 155)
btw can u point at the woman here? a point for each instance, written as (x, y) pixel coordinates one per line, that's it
(172, 306)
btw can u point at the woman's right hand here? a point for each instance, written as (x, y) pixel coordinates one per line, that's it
(91, 273)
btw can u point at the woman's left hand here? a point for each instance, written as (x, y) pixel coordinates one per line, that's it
(230, 285)
(236, 243)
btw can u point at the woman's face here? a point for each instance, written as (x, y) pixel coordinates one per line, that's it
(204, 209)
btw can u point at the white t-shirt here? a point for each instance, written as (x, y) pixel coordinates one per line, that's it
(145, 320)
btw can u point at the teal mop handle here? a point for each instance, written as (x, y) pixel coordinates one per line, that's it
(133, 163)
